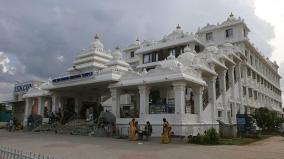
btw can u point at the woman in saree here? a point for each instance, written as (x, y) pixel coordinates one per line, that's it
(166, 131)
(132, 130)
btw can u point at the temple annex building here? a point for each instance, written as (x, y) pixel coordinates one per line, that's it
(192, 79)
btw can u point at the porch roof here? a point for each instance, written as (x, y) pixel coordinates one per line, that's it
(160, 79)
(36, 92)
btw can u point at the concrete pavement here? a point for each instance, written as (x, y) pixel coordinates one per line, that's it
(84, 147)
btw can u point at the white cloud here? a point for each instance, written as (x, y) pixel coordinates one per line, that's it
(60, 58)
(272, 11)
(5, 66)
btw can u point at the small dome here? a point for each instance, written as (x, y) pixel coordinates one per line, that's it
(212, 49)
(170, 57)
(188, 49)
(117, 54)
(228, 45)
(97, 43)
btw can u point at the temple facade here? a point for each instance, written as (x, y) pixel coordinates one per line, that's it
(191, 79)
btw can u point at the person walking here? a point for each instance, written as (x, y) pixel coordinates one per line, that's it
(166, 131)
(148, 130)
(11, 124)
(132, 130)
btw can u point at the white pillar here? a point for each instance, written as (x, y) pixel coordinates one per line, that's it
(144, 92)
(222, 77)
(27, 110)
(179, 92)
(232, 85)
(212, 97)
(115, 98)
(198, 102)
(40, 108)
(55, 103)
(239, 78)
(244, 67)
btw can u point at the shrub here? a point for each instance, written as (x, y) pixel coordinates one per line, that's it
(210, 137)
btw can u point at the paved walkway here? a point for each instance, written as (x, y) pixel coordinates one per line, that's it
(84, 147)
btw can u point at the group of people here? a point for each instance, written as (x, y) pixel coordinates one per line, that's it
(134, 129)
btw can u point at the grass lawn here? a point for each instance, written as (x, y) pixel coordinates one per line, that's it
(240, 141)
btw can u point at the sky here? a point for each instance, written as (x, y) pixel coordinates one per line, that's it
(39, 38)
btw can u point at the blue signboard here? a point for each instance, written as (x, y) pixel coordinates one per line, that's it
(23, 87)
(241, 121)
(73, 77)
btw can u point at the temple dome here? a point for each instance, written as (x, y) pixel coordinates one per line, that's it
(96, 43)
(117, 54)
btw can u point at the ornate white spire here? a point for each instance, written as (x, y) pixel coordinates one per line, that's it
(97, 43)
(117, 54)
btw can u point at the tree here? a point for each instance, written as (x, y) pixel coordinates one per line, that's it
(266, 119)
(263, 117)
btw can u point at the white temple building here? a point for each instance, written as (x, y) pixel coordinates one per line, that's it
(191, 79)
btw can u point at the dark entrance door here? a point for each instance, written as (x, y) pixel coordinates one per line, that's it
(70, 105)
(68, 110)
(87, 105)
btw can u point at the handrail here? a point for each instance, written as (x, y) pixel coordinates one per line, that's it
(8, 152)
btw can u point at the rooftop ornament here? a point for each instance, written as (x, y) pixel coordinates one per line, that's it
(178, 27)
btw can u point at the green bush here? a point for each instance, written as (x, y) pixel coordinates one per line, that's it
(210, 137)
(267, 120)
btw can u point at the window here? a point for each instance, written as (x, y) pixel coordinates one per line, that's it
(209, 36)
(248, 72)
(150, 57)
(229, 33)
(253, 75)
(132, 54)
(246, 53)
(250, 92)
(251, 60)
(147, 58)
(258, 78)
(219, 113)
(197, 48)
(245, 33)
(244, 91)
(255, 95)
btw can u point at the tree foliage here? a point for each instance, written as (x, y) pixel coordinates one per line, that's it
(267, 120)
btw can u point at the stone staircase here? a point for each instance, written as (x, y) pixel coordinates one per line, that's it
(46, 127)
(76, 127)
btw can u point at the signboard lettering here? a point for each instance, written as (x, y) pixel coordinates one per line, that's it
(73, 77)
(23, 87)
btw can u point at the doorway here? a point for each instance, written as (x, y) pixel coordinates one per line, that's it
(97, 109)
